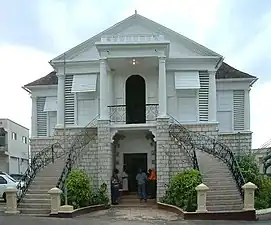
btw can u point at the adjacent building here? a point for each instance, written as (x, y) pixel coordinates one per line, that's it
(14, 147)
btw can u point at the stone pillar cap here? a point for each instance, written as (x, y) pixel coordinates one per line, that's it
(202, 187)
(54, 190)
(249, 185)
(11, 190)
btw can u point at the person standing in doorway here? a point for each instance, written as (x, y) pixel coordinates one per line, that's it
(141, 179)
(124, 179)
(152, 184)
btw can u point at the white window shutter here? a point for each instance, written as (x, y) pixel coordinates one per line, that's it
(203, 95)
(41, 117)
(69, 100)
(239, 110)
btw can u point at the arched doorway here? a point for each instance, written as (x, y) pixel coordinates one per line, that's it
(135, 99)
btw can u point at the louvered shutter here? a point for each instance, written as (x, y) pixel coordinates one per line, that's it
(41, 117)
(239, 109)
(69, 100)
(203, 95)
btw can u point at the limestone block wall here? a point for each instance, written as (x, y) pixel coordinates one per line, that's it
(162, 156)
(39, 143)
(238, 142)
(105, 154)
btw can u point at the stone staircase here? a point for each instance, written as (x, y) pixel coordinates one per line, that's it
(223, 194)
(37, 200)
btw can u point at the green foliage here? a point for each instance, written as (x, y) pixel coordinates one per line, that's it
(252, 174)
(80, 191)
(181, 190)
(100, 197)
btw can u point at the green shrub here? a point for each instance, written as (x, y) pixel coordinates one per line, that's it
(181, 190)
(252, 174)
(100, 197)
(79, 189)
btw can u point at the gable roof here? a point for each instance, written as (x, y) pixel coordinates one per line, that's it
(225, 71)
(49, 79)
(135, 18)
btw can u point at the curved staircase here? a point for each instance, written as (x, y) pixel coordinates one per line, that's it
(223, 194)
(49, 168)
(217, 164)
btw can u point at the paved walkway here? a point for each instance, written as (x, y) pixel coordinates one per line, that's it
(120, 217)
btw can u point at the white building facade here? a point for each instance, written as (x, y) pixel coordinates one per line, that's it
(14, 147)
(133, 78)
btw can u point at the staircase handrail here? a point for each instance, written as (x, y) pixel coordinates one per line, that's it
(44, 157)
(190, 149)
(74, 151)
(40, 160)
(216, 148)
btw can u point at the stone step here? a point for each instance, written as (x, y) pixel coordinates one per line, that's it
(36, 211)
(35, 205)
(224, 208)
(215, 202)
(231, 191)
(136, 201)
(37, 196)
(136, 205)
(37, 191)
(39, 200)
(223, 197)
(43, 186)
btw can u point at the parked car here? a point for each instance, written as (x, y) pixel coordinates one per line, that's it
(5, 182)
(16, 176)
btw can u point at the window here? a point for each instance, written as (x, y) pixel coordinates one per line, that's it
(14, 136)
(24, 139)
(2, 140)
(3, 181)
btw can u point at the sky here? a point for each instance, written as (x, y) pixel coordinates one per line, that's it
(35, 31)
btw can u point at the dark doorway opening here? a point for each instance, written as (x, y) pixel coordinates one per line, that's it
(134, 162)
(135, 100)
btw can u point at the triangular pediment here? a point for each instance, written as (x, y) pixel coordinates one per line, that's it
(180, 46)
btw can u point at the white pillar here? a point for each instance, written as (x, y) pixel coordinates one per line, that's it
(110, 89)
(103, 90)
(162, 89)
(249, 191)
(55, 199)
(60, 100)
(34, 117)
(201, 197)
(212, 97)
(11, 196)
(247, 110)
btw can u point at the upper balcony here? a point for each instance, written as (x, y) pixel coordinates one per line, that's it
(133, 114)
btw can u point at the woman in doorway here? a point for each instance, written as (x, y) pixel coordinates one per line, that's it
(124, 179)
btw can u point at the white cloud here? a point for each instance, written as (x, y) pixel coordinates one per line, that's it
(19, 66)
(260, 113)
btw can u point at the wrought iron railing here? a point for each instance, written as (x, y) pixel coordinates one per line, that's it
(182, 137)
(40, 160)
(211, 146)
(117, 113)
(80, 142)
(48, 155)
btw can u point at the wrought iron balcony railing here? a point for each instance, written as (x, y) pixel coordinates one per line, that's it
(120, 115)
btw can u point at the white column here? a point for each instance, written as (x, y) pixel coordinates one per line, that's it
(110, 89)
(60, 100)
(103, 90)
(247, 110)
(34, 117)
(212, 97)
(162, 89)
